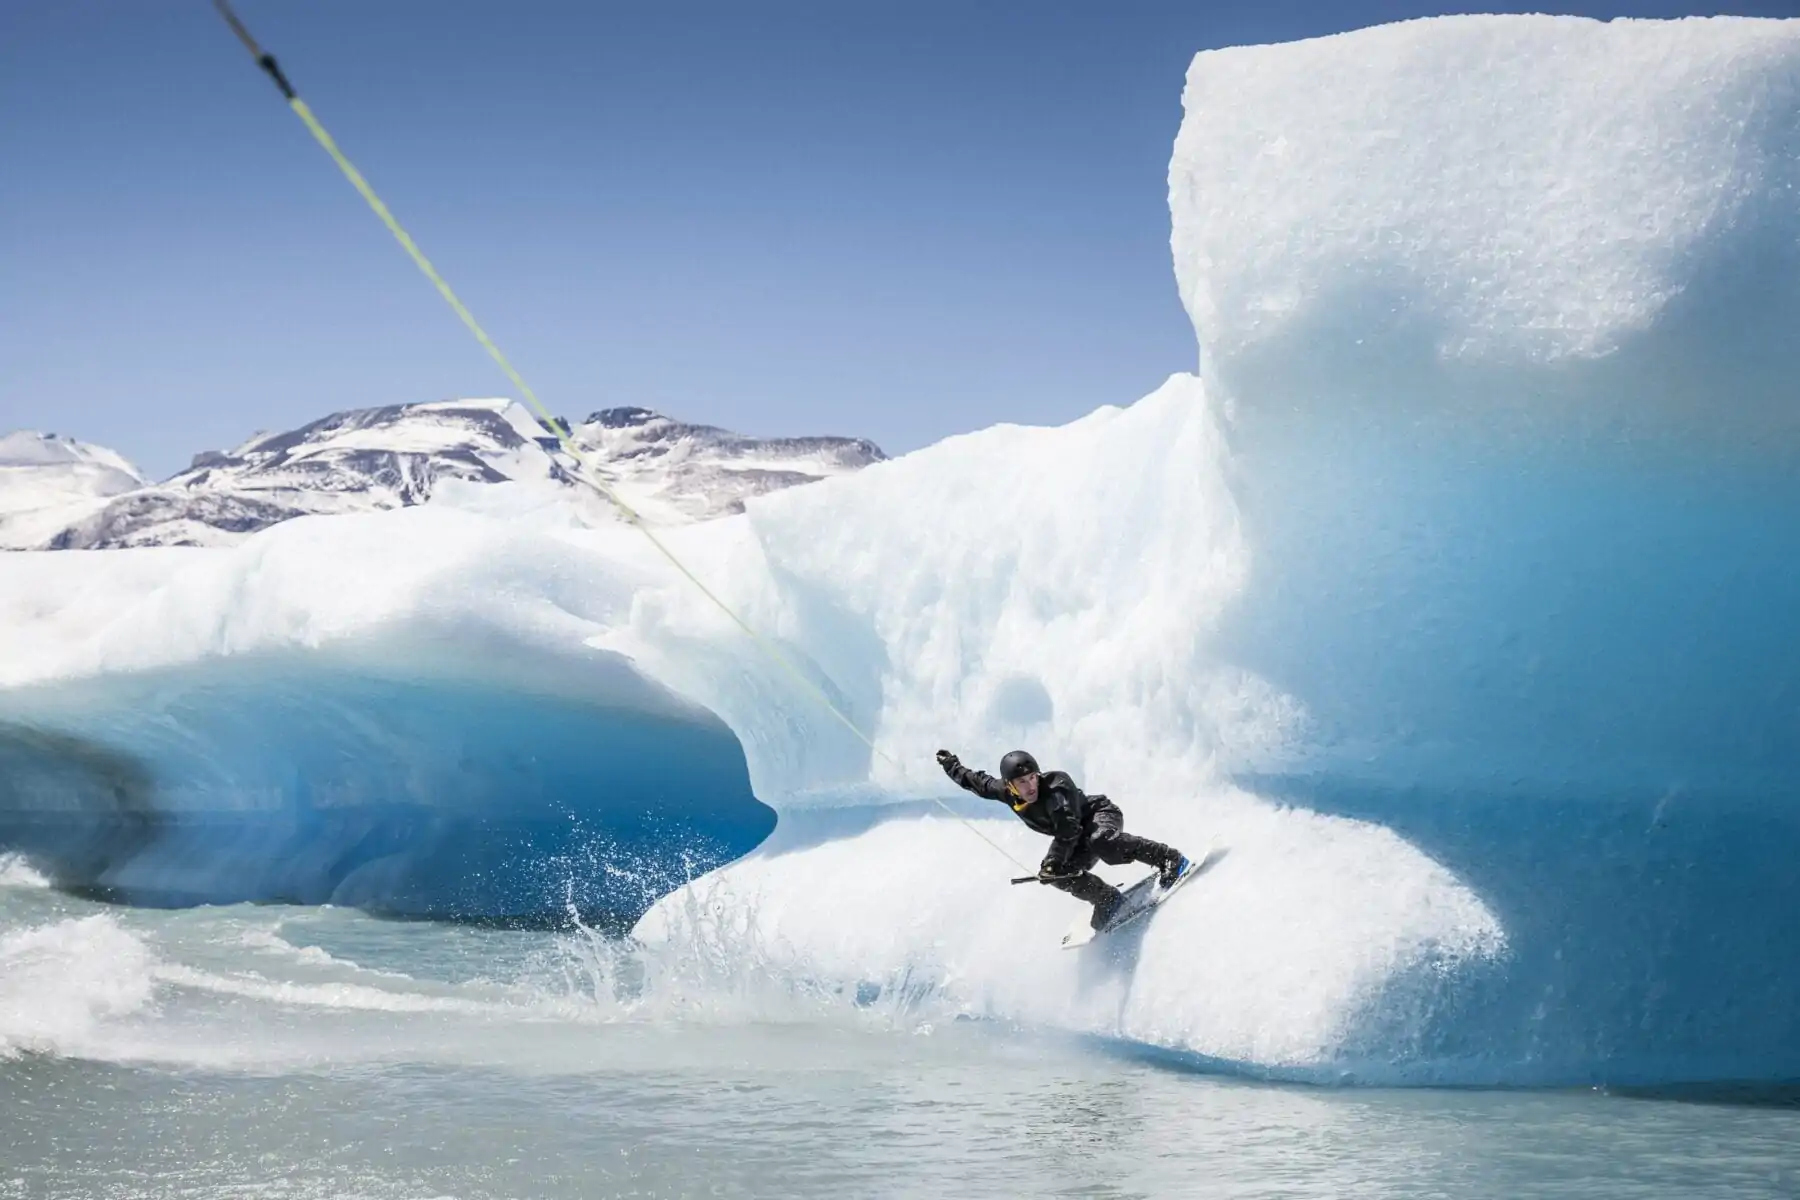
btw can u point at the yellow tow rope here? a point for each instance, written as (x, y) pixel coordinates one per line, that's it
(267, 62)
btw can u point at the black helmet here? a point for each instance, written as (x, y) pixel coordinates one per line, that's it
(1016, 765)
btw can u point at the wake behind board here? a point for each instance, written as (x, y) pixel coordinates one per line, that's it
(1141, 898)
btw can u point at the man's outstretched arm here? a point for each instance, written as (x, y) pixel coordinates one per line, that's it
(979, 782)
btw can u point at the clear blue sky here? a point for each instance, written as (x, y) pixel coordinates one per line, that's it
(896, 220)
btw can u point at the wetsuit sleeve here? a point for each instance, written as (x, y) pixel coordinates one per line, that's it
(1063, 803)
(979, 782)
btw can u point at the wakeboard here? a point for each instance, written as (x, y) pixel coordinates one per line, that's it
(1141, 898)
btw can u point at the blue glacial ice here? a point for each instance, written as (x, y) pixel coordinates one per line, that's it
(1505, 319)
(411, 766)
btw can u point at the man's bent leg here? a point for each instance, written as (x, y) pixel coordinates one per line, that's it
(1096, 891)
(1115, 846)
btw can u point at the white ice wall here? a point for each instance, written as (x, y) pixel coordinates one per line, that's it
(1497, 193)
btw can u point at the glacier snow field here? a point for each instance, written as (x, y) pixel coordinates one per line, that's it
(466, 849)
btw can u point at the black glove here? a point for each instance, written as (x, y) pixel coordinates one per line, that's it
(1052, 869)
(948, 761)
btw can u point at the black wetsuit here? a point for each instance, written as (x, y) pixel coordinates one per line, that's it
(1084, 830)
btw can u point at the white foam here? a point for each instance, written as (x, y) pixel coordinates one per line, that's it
(16, 872)
(61, 982)
(269, 941)
(1268, 957)
(348, 997)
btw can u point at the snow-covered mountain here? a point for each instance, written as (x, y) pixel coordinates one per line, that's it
(681, 472)
(59, 494)
(41, 469)
(47, 481)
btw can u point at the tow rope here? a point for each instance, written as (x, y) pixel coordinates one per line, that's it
(542, 414)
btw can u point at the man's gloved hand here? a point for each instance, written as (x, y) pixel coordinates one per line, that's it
(948, 761)
(1052, 869)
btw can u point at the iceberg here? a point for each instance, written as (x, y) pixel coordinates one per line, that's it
(1502, 311)
(353, 710)
(1451, 596)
